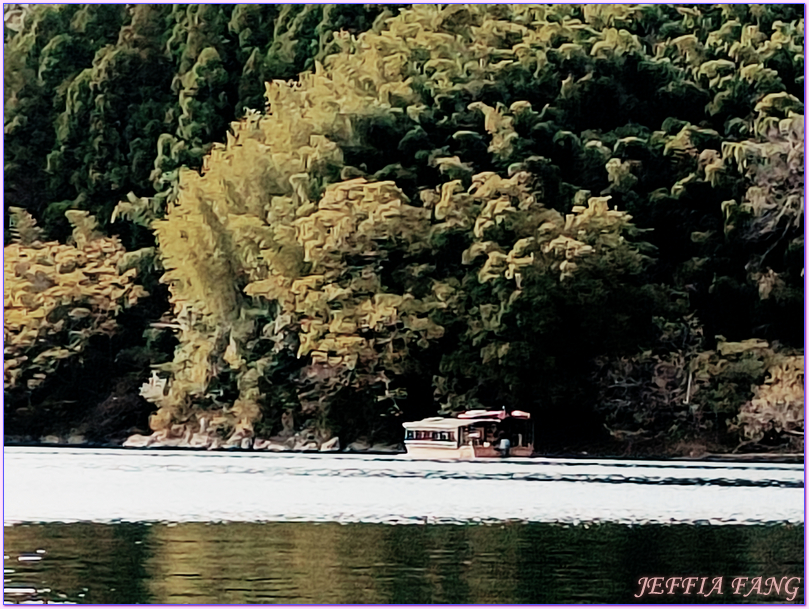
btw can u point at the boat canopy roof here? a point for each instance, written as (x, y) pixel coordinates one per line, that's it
(499, 414)
(442, 423)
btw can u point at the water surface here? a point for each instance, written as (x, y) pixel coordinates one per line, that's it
(129, 526)
(50, 485)
(379, 563)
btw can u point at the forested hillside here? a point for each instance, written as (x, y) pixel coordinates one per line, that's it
(104, 100)
(365, 215)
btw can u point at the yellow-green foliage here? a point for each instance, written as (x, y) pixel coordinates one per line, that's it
(261, 223)
(777, 404)
(59, 296)
(449, 197)
(751, 385)
(289, 265)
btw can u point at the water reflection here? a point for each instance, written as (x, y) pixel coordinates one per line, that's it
(377, 563)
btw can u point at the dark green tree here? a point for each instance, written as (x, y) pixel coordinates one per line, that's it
(104, 103)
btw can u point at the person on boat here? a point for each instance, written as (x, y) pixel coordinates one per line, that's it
(503, 445)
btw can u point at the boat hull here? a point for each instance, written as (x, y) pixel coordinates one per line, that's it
(464, 452)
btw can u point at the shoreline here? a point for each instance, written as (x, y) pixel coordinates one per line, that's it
(388, 451)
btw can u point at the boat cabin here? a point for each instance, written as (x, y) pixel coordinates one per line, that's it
(473, 434)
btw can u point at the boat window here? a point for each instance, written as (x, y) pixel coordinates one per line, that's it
(438, 436)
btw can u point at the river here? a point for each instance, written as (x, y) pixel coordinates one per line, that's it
(131, 526)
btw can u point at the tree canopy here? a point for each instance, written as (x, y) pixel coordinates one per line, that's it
(591, 212)
(104, 103)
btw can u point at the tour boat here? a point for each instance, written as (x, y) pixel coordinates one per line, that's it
(472, 434)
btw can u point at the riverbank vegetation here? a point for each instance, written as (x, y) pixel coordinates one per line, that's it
(317, 222)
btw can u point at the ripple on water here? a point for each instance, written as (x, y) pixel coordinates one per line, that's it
(175, 486)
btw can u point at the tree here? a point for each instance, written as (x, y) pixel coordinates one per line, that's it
(504, 199)
(286, 270)
(57, 299)
(104, 103)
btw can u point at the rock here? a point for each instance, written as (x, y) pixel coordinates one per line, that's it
(272, 444)
(170, 443)
(260, 444)
(332, 445)
(239, 439)
(386, 448)
(168, 438)
(358, 446)
(76, 438)
(362, 445)
(305, 445)
(51, 440)
(200, 440)
(19, 439)
(137, 441)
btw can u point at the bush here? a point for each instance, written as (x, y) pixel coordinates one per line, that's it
(745, 392)
(57, 298)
